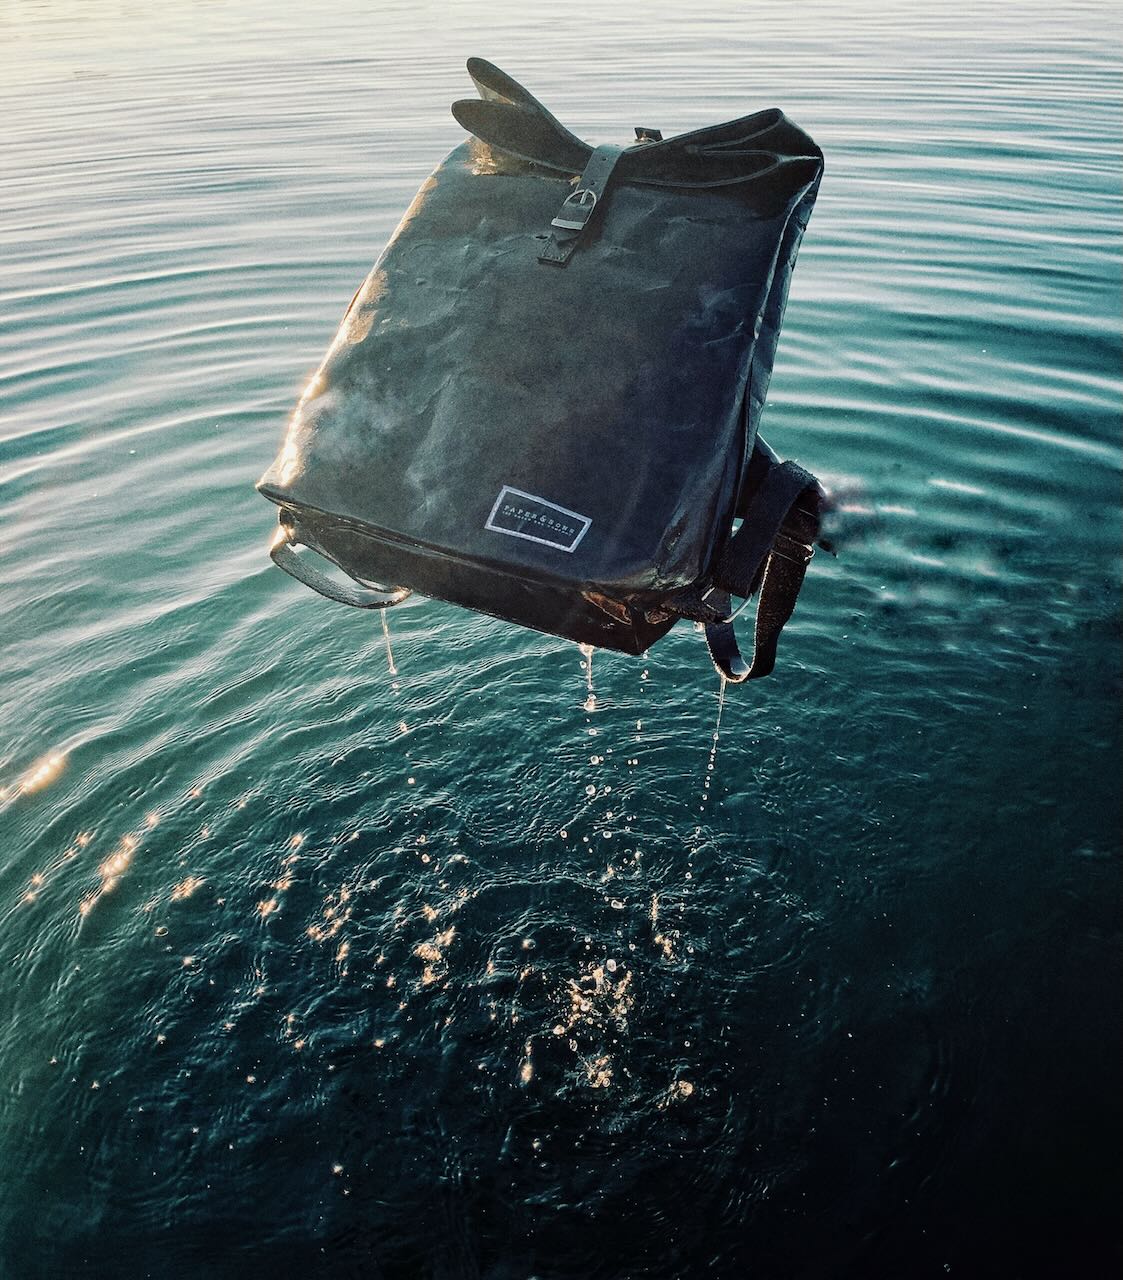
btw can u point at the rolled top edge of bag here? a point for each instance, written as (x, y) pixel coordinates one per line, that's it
(508, 117)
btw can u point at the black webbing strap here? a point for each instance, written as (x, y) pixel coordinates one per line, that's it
(358, 596)
(580, 205)
(770, 551)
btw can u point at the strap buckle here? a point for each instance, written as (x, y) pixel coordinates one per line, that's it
(580, 204)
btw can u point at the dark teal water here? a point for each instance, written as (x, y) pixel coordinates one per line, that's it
(312, 968)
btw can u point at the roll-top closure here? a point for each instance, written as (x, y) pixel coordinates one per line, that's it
(509, 118)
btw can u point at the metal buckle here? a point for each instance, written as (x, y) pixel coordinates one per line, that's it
(583, 201)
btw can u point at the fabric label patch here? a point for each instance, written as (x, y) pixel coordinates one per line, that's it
(522, 515)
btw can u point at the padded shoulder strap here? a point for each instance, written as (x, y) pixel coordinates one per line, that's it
(780, 506)
(770, 553)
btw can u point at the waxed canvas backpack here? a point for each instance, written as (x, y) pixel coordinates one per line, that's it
(543, 401)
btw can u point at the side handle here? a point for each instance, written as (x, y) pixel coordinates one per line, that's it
(297, 566)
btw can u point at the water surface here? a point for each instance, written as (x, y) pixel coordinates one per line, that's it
(454, 972)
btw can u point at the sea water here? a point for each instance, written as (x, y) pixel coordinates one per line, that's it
(457, 960)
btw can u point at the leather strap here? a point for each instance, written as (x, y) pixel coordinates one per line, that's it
(580, 206)
(298, 567)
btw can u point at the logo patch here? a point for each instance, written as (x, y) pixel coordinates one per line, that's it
(522, 515)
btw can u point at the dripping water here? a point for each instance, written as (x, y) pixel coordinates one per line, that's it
(713, 744)
(590, 703)
(389, 651)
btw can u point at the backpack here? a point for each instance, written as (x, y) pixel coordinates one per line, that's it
(543, 401)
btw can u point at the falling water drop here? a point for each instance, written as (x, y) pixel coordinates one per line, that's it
(389, 652)
(590, 703)
(713, 745)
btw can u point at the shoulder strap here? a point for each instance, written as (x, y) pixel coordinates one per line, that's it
(770, 553)
(779, 506)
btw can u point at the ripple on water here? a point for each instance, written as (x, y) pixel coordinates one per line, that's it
(451, 949)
